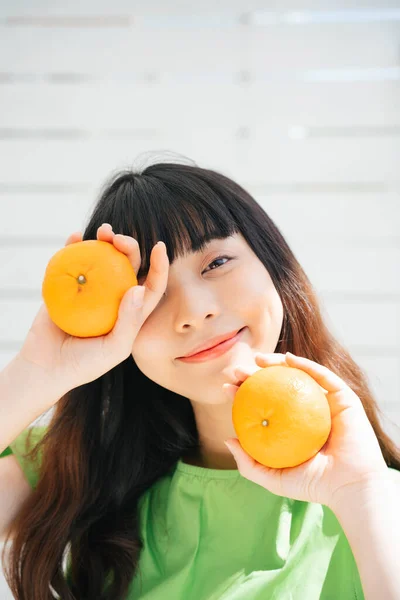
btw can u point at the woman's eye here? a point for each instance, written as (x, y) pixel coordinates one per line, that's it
(216, 260)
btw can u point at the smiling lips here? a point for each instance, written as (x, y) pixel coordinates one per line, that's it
(215, 351)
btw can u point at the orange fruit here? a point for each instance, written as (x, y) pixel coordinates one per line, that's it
(83, 286)
(281, 416)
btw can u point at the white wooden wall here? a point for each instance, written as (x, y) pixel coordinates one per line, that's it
(302, 107)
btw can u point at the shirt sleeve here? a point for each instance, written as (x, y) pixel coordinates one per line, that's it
(23, 444)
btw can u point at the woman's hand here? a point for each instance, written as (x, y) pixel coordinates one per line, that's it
(350, 458)
(72, 361)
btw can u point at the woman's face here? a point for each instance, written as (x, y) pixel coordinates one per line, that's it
(206, 298)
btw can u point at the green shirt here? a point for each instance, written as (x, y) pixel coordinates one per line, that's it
(212, 534)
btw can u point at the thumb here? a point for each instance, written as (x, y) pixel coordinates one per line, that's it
(130, 310)
(135, 297)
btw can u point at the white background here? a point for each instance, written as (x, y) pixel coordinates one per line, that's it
(301, 107)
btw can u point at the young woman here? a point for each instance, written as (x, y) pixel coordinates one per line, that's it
(133, 492)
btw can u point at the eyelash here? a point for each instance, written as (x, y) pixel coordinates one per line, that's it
(219, 258)
(229, 258)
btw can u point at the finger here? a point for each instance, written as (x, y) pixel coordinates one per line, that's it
(105, 233)
(252, 469)
(124, 243)
(74, 237)
(157, 277)
(242, 373)
(230, 390)
(129, 246)
(266, 360)
(322, 375)
(271, 478)
(245, 462)
(130, 319)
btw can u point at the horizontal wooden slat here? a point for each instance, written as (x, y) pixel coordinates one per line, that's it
(330, 103)
(280, 106)
(182, 47)
(189, 8)
(44, 215)
(334, 216)
(266, 159)
(364, 324)
(383, 375)
(350, 269)
(325, 46)
(273, 159)
(91, 162)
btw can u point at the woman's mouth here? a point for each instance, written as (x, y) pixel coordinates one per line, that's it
(215, 351)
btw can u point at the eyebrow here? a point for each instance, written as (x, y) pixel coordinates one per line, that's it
(207, 243)
(204, 244)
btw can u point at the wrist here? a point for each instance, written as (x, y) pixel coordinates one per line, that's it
(353, 499)
(43, 384)
(25, 394)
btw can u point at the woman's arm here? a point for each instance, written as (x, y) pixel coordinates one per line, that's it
(370, 517)
(25, 393)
